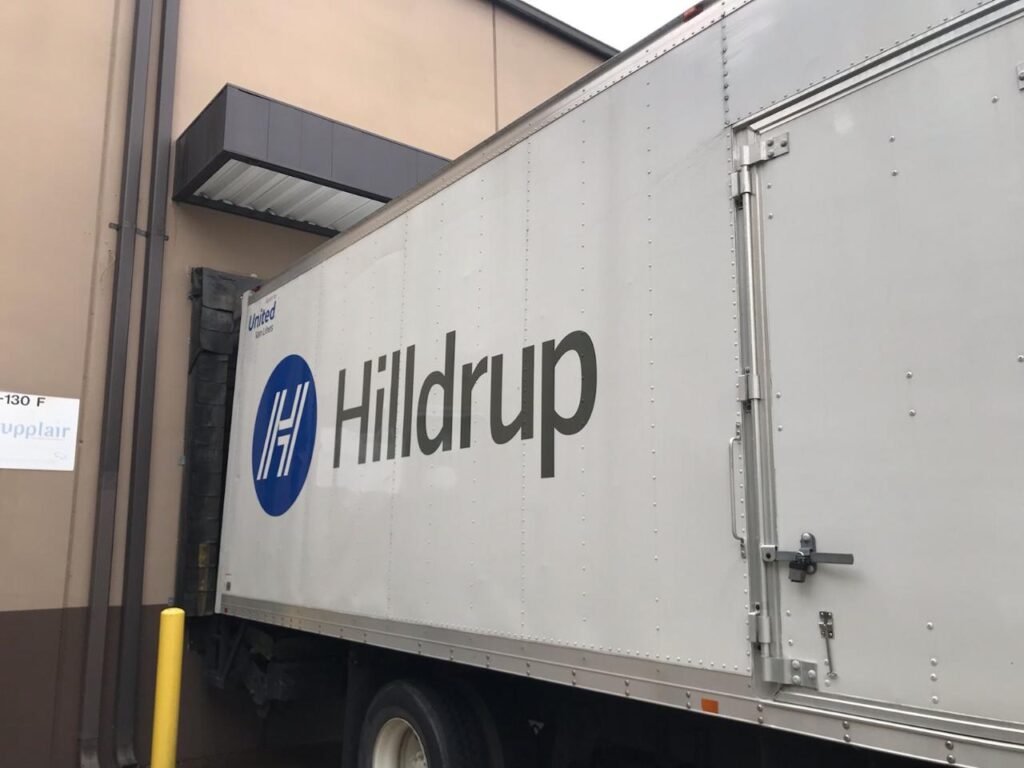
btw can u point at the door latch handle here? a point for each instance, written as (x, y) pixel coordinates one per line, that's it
(805, 560)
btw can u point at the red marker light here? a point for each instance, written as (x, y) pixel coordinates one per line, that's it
(692, 11)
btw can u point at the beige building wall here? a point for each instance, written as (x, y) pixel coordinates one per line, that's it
(527, 70)
(55, 208)
(440, 75)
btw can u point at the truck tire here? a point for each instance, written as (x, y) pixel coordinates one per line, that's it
(412, 724)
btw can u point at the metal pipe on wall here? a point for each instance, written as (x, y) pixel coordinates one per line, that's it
(142, 428)
(113, 396)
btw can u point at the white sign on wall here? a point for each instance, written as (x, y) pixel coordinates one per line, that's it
(37, 431)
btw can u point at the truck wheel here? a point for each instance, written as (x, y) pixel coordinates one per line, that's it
(410, 724)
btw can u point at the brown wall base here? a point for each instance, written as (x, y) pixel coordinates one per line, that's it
(41, 690)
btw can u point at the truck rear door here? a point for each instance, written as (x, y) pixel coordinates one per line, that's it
(893, 256)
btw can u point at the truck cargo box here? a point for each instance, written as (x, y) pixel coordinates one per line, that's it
(702, 384)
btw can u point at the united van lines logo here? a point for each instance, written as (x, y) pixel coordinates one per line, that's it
(284, 434)
(262, 320)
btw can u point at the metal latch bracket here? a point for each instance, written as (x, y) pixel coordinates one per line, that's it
(827, 629)
(791, 672)
(769, 148)
(804, 561)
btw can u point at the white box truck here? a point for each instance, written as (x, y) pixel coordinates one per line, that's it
(701, 385)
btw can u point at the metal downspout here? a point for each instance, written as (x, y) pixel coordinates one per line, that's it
(113, 395)
(142, 443)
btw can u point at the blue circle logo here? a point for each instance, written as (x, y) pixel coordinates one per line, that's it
(284, 434)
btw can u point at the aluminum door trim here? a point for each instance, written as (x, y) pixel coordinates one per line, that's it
(929, 43)
(979, 727)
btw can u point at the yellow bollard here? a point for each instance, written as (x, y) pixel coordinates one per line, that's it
(168, 688)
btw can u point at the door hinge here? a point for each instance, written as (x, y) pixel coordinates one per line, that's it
(740, 183)
(748, 387)
(759, 626)
(748, 155)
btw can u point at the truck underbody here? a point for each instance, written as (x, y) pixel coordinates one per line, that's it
(514, 722)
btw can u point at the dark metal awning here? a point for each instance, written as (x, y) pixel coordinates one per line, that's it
(257, 157)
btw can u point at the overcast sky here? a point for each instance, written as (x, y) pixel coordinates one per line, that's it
(620, 23)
